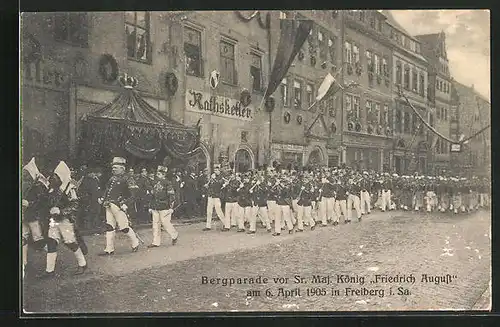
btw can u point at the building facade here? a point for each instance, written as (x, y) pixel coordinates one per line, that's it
(368, 107)
(70, 68)
(212, 69)
(440, 84)
(302, 129)
(473, 114)
(411, 148)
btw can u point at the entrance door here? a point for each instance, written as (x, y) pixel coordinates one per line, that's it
(398, 165)
(242, 161)
(314, 158)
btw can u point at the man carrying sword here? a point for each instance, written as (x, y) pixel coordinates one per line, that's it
(161, 207)
(116, 196)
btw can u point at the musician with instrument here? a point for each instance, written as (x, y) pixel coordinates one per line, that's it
(63, 204)
(244, 202)
(340, 202)
(306, 195)
(353, 201)
(282, 188)
(232, 208)
(214, 193)
(161, 207)
(328, 193)
(260, 195)
(272, 196)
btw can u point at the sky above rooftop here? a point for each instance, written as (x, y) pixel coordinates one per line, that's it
(467, 40)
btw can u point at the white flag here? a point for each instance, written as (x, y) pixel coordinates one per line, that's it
(62, 170)
(32, 169)
(325, 86)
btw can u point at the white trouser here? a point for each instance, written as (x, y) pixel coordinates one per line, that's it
(211, 204)
(283, 213)
(322, 211)
(162, 218)
(330, 213)
(244, 216)
(341, 209)
(115, 216)
(231, 213)
(262, 213)
(365, 202)
(353, 202)
(386, 200)
(273, 210)
(305, 212)
(295, 207)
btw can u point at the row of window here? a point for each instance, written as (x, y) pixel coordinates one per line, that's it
(443, 86)
(442, 113)
(376, 63)
(410, 77)
(297, 87)
(408, 123)
(405, 41)
(193, 55)
(375, 112)
(370, 17)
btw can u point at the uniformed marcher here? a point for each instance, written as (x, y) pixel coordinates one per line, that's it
(245, 203)
(34, 205)
(365, 199)
(214, 192)
(63, 204)
(340, 202)
(283, 203)
(232, 209)
(260, 201)
(353, 201)
(161, 207)
(117, 198)
(306, 195)
(328, 192)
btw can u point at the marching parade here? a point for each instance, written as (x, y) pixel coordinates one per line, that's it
(282, 199)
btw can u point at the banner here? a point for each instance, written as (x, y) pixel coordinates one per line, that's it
(293, 35)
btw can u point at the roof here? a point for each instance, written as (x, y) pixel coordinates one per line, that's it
(130, 107)
(394, 23)
(460, 87)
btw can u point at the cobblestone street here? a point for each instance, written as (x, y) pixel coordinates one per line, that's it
(169, 279)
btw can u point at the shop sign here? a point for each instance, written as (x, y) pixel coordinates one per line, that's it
(216, 105)
(293, 148)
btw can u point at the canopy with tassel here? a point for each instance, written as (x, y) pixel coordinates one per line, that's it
(131, 126)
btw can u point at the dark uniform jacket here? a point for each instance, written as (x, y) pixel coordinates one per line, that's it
(68, 207)
(118, 191)
(354, 189)
(341, 193)
(162, 195)
(328, 190)
(306, 197)
(36, 195)
(244, 196)
(230, 191)
(215, 188)
(260, 195)
(283, 195)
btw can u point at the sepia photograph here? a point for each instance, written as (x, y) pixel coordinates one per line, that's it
(254, 161)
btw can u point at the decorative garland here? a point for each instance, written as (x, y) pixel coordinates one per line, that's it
(358, 127)
(287, 117)
(299, 119)
(359, 68)
(245, 98)
(269, 104)
(349, 69)
(258, 14)
(171, 83)
(388, 131)
(369, 129)
(108, 77)
(333, 128)
(379, 130)
(350, 125)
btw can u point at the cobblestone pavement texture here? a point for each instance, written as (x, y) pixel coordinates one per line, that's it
(169, 278)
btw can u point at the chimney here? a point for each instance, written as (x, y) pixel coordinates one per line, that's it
(472, 86)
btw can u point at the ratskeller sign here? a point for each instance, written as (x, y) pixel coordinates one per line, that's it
(206, 103)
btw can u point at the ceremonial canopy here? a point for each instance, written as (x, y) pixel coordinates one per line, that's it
(130, 126)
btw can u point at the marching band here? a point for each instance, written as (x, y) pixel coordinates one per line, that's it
(282, 199)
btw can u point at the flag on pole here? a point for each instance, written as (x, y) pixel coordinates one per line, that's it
(293, 35)
(325, 86)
